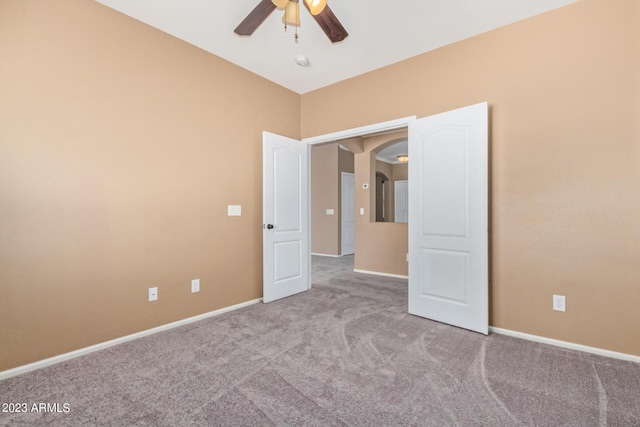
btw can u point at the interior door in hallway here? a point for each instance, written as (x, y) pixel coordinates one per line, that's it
(348, 223)
(401, 197)
(286, 254)
(448, 217)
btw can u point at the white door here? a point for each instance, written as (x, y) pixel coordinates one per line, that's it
(448, 219)
(401, 197)
(348, 206)
(285, 235)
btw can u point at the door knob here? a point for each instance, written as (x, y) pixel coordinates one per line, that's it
(270, 226)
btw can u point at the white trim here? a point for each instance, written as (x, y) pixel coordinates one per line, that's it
(327, 255)
(377, 273)
(565, 344)
(361, 131)
(309, 277)
(106, 344)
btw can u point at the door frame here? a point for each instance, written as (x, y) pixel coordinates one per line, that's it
(344, 134)
(361, 131)
(356, 132)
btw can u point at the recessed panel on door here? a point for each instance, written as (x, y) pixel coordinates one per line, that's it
(444, 275)
(287, 185)
(287, 260)
(445, 159)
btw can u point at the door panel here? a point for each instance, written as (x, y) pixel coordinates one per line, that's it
(348, 213)
(287, 177)
(286, 257)
(401, 197)
(445, 158)
(448, 218)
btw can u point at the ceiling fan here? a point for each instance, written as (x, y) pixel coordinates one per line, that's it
(321, 12)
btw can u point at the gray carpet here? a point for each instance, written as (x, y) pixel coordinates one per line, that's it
(344, 353)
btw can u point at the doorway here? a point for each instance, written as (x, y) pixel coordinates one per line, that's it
(448, 239)
(382, 197)
(382, 248)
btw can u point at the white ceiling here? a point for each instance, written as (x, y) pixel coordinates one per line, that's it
(380, 32)
(391, 153)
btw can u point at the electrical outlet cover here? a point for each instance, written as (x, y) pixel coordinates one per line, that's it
(195, 285)
(559, 303)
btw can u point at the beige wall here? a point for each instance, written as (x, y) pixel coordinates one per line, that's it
(345, 161)
(380, 246)
(328, 162)
(110, 130)
(564, 96)
(400, 172)
(111, 180)
(325, 229)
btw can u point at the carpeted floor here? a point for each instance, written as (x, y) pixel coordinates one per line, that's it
(344, 353)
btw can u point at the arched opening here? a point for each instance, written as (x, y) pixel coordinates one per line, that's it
(390, 163)
(382, 197)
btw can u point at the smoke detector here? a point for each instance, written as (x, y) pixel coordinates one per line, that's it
(302, 61)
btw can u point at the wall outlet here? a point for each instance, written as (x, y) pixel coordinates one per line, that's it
(234, 210)
(153, 294)
(330, 212)
(559, 303)
(195, 285)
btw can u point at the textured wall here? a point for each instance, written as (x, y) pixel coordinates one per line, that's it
(325, 183)
(327, 163)
(120, 148)
(380, 246)
(564, 95)
(110, 134)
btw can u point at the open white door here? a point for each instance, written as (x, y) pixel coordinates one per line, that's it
(448, 218)
(285, 235)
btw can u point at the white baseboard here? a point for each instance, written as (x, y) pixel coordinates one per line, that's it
(565, 344)
(101, 346)
(377, 273)
(327, 255)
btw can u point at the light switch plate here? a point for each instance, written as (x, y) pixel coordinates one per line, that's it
(361, 211)
(234, 210)
(195, 285)
(330, 212)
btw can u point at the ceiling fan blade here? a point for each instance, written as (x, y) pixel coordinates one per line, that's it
(329, 24)
(255, 18)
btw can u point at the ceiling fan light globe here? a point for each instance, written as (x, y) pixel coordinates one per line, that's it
(292, 14)
(316, 6)
(280, 4)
